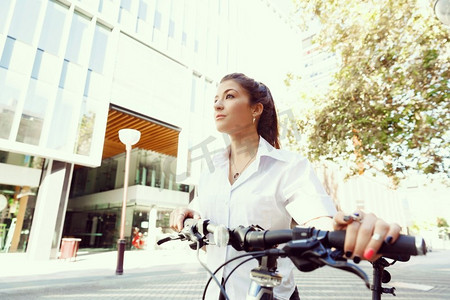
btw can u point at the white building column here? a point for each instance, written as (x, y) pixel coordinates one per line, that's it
(49, 214)
(151, 237)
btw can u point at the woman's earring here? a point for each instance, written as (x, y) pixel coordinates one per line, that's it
(254, 120)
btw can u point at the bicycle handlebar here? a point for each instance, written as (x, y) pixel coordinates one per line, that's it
(252, 239)
(307, 247)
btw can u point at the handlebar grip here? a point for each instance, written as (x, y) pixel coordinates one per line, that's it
(404, 246)
(189, 222)
(199, 225)
(203, 227)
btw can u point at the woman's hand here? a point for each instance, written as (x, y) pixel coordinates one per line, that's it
(178, 215)
(365, 233)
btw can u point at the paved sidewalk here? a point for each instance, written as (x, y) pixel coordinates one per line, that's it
(176, 274)
(17, 271)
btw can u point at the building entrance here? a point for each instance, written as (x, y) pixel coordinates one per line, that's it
(96, 229)
(17, 206)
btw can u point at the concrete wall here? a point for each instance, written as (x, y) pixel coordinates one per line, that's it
(20, 176)
(137, 194)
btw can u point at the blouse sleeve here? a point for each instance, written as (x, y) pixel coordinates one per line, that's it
(194, 205)
(305, 197)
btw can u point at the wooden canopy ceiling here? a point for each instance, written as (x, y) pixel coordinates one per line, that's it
(154, 136)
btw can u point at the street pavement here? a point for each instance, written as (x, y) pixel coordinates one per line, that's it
(176, 274)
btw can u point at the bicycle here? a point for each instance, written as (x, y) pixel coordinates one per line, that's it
(307, 247)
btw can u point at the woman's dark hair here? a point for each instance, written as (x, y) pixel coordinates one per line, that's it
(260, 93)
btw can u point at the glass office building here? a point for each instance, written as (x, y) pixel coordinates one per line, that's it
(72, 73)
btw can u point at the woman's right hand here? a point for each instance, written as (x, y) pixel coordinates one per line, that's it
(178, 215)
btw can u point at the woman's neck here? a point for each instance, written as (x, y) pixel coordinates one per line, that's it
(244, 147)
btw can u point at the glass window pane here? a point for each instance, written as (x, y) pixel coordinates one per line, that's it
(184, 38)
(99, 47)
(88, 83)
(61, 133)
(77, 37)
(50, 68)
(125, 4)
(157, 22)
(86, 127)
(62, 79)
(196, 46)
(37, 64)
(4, 10)
(143, 7)
(171, 28)
(96, 85)
(33, 113)
(7, 52)
(50, 38)
(100, 6)
(75, 77)
(24, 20)
(10, 87)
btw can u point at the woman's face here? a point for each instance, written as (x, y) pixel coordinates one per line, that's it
(232, 111)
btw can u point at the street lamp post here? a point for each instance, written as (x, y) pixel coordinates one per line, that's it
(129, 137)
(442, 11)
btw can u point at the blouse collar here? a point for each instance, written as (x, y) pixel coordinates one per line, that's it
(264, 149)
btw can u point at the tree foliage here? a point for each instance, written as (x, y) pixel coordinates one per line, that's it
(388, 105)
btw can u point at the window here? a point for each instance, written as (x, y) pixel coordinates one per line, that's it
(62, 79)
(124, 5)
(33, 113)
(7, 52)
(86, 127)
(61, 133)
(157, 22)
(88, 81)
(184, 38)
(4, 13)
(99, 47)
(52, 29)
(37, 64)
(100, 6)
(77, 38)
(142, 13)
(24, 20)
(10, 87)
(171, 28)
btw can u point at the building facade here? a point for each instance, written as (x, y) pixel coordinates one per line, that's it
(72, 73)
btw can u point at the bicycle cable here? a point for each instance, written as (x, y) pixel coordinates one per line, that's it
(240, 264)
(222, 290)
(254, 254)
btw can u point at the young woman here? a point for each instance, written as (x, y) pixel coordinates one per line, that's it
(254, 182)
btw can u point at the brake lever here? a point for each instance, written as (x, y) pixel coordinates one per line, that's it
(169, 238)
(342, 264)
(310, 254)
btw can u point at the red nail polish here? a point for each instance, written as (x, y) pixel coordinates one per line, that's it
(369, 253)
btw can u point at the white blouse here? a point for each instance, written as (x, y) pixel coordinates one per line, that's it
(276, 187)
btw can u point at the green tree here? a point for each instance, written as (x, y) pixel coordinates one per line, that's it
(441, 222)
(388, 104)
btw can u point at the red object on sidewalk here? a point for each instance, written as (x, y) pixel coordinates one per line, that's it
(138, 241)
(69, 248)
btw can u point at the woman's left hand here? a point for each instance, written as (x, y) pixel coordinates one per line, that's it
(365, 233)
